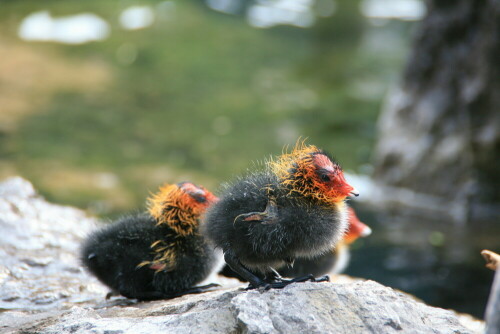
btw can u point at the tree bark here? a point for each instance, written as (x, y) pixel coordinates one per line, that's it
(439, 134)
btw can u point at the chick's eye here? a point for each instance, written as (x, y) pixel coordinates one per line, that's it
(324, 177)
(200, 198)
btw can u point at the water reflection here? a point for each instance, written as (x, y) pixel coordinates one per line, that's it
(304, 13)
(407, 10)
(137, 17)
(265, 14)
(225, 6)
(75, 29)
(435, 260)
(88, 27)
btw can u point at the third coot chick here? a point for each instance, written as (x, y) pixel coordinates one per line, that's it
(158, 255)
(293, 209)
(335, 261)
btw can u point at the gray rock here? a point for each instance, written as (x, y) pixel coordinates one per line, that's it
(45, 290)
(39, 242)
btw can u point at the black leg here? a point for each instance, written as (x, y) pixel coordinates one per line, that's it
(281, 283)
(276, 281)
(311, 278)
(112, 293)
(273, 279)
(324, 278)
(236, 266)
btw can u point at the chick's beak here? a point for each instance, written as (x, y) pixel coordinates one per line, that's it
(366, 231)
(345, 187)
(354, 192)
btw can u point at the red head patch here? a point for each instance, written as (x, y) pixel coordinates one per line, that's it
(197, 197)
(329, 178)
(309, 171)
(356, 228)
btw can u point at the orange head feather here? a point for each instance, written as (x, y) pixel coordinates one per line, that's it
(180, 205)
(310, 172)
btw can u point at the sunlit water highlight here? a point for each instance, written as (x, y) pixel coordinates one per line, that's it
(75, 29)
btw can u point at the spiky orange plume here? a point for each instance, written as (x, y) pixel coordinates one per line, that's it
(282, 165)
(180, 207)
(174, 206)
(298, 171)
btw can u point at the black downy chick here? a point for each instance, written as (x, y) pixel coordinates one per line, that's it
(333, 262)
(293, 209)
(157, 255)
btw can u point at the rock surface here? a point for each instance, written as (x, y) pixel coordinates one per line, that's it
(39, 242)
(44, 290)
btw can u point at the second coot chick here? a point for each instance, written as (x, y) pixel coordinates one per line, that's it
(293, 209)
(157, 255)
(335, 261)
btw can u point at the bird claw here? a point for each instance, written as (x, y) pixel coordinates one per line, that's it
(311, 278)
(266, 286)
(253, 287)
(280, 283)
(324, 278)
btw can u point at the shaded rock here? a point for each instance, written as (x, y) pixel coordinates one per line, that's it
(44, 290)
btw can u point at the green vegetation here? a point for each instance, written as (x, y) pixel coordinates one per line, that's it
(199, 95)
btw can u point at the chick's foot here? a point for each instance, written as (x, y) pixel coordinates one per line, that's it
(280, 283)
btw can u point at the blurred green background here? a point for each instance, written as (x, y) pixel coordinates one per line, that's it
(199, 94)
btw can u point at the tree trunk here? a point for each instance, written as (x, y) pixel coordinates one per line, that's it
(440, 131)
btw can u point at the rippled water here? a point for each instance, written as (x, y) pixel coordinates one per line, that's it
(437, 261)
